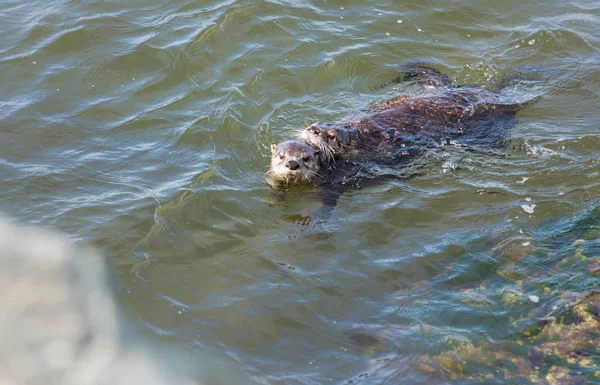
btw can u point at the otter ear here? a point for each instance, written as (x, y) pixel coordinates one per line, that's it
(273, 148)
(331, 134)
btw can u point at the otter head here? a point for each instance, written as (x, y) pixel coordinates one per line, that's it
(330, 139)
(293, 161)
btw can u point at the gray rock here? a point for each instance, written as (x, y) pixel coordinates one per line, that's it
(58, 321)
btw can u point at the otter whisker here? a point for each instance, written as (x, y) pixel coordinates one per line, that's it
(311, 175)
(331, 155)
(300, 130)
(328, 152)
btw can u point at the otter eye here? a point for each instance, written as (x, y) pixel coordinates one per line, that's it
(281, 156)
(316, 132)
(306, 158)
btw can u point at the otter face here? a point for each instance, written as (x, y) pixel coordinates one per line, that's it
(294, 162)
(328, 138)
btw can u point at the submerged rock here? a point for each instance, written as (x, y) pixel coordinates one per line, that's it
(564, 349)
(556, 338)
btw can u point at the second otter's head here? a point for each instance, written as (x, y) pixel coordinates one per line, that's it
(293, 161)
(330, 139)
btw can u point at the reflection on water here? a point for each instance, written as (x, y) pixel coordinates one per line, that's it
(143, 128)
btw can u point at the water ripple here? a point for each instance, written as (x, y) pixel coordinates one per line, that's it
(144, 128)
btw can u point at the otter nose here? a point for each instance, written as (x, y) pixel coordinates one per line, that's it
(292, 165)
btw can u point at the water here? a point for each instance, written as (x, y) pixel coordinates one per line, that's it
(143, 128)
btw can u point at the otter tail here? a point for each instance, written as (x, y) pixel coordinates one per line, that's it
(423, 73)
(513, 108)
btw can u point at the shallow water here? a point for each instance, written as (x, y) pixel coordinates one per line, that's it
(143, 128)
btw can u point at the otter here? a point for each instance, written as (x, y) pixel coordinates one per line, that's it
(447, 114)
(394, 131)
(294, 162)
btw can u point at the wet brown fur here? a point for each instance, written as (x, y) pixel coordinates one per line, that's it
(387, 128)
(408, 125)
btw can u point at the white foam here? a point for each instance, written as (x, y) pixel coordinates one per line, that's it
(534, 298)
(529, 208)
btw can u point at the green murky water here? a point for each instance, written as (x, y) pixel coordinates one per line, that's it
(142, 127)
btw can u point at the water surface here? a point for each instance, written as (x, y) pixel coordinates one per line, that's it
(143, 127)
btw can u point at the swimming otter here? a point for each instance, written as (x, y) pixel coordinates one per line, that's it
(393, 132)
(468, 114)
(293, 162)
